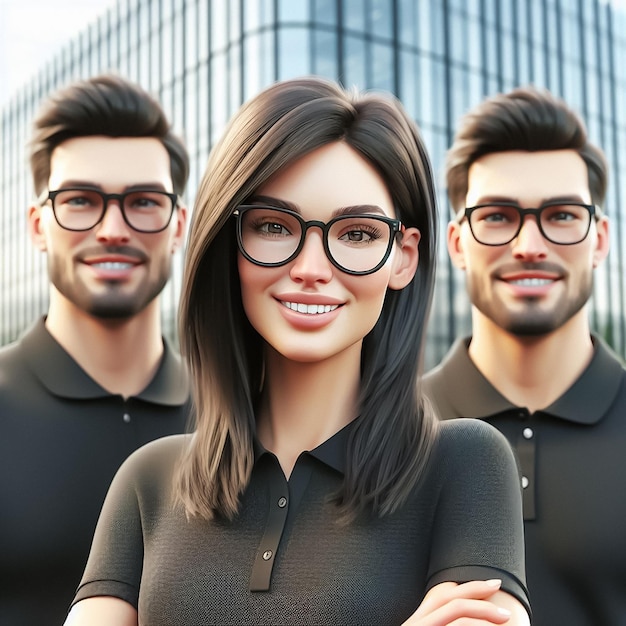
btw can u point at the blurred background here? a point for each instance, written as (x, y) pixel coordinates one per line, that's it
(203, 58)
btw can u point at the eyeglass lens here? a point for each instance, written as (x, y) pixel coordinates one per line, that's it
(562, 223)
(355, 243)
(80, 209)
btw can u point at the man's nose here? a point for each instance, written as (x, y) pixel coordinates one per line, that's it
(113, 227)
(530, 244)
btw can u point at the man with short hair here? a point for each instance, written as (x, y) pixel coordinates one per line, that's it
(527, 189)
(94, 379)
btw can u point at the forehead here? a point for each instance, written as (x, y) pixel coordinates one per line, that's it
(328, 178)
(111, 162)
(528, 177)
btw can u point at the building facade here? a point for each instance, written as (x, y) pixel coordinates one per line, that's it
(203, 58)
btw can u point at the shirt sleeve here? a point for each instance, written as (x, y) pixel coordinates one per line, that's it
(478, 527)
(114, 566)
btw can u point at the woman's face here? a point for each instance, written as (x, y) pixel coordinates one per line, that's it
(309, 310)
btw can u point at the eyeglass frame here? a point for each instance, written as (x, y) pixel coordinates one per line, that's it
(594, 212)
(106, 198)
(395, 227)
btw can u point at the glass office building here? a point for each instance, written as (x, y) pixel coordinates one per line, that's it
(203, 58)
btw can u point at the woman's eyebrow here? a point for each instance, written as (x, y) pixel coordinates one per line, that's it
(274, 202)
(356, 209)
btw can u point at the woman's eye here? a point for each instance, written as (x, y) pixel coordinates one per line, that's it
(357, 235)
(272, 228)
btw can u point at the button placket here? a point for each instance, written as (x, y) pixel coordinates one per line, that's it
(526, 451)
(260, 579)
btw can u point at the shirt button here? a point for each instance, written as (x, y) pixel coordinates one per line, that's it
(267, 555)
(126, 417)
(524, 482)
(282, 502)
(528, 433)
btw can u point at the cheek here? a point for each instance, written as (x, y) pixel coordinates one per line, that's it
(370, 289)
(479, 260)
(63, 242)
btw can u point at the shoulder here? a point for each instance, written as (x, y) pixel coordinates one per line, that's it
(155, 459)
(443, 383)
(162, 451)
(148, 474)
(10, 352)
(465, 440)
(14, 372)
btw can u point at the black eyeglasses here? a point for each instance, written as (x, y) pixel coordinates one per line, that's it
(82, 208)
(355, 244)
(563, 223)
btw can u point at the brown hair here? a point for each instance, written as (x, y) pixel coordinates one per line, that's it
(526, 118)
(392, 438)
(104, 105)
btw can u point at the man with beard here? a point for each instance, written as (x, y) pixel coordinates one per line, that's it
(527, 187)
(93, 380)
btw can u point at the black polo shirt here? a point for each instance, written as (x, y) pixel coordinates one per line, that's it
(62, 438)
(286, 560)
(572, 457)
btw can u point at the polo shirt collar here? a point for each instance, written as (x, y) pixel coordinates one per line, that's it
(585, 402)
(61, 375)
(331, 452)
(591, 396)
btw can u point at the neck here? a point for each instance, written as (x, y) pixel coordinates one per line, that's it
(304, 404)
(531, 372)
(122, 356)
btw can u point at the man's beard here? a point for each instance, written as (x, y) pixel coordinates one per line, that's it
(531, 320)
(113, 303)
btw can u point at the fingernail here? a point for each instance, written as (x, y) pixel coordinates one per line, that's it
(503, 611)
(494, 582)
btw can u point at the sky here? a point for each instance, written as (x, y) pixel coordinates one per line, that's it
(32, 31)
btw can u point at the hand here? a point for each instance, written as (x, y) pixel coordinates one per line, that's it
(467, 604)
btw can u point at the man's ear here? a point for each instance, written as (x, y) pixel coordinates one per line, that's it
(406, 260)
(455, 246)
(35, 227)
(602, 240)
(180, 215)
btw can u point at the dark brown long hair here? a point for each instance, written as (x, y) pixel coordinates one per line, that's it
(392, 438)
(526, 118)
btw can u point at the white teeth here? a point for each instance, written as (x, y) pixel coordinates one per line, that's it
(113, 265)
(310, 309)
(532, 282)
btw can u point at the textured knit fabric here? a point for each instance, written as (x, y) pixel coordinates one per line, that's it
(62, 438)
(459, 524)
(573, 459)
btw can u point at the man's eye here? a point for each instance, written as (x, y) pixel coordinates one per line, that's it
(78, 201)
(496, 217)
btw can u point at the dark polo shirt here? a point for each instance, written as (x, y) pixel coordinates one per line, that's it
(286, 560)
(572, 457)
(62, 438)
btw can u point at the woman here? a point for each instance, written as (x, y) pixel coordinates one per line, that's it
(318, 488)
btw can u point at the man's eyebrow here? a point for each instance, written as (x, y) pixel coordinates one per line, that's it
(90, 184)
(356, 209)
(512, 200)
